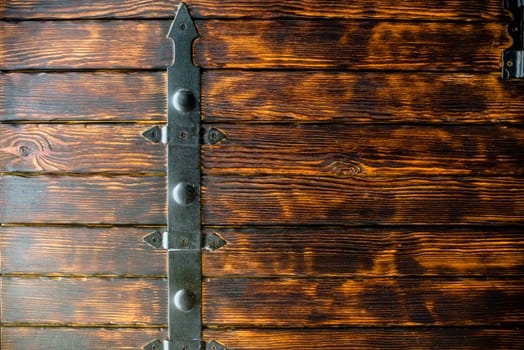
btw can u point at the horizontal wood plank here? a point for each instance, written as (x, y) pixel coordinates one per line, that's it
(343, 302)
(92, 301)
(113, 148)
(274, 200)
(95, 199)
(368, 339)
(58, 338)
(79, 251)
(336, 44)
(101, 96)
(336, 252)
(378, 150)
(380, 9)
(363, 97)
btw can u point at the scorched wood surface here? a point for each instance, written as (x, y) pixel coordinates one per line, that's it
(369, 186)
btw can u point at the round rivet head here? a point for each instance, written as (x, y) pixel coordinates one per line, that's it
(184, 300)
(184, 193)
(184, 100)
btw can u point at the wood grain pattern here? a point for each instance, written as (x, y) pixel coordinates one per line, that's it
(380, 9)
(59, 338)
(366, 252)
(355, 45)
(92, 301)
(95, 199)
(100, 96)
(361, 97)
(79, 251)
(257, 44)
(344, 302)
(275, 200)
(79, 148)
(378, 150)
(368, 339)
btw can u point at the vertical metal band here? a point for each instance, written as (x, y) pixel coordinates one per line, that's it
(184, 229)
(513, 57)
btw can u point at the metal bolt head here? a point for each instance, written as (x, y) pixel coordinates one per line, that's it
(184, 100)
(184, 300)
(184, 193)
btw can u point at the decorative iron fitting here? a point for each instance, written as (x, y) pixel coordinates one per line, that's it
(513, 57)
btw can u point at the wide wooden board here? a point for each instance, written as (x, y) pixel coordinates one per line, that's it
(378, 150)
(360, 97)
(110, 148)
(93, 199)
(81, 251)
(362, 302)
(84, 301)
(100, 96)
(278, 200)
(468, 10)
(60, 338)
(366, 252)
(337, 44)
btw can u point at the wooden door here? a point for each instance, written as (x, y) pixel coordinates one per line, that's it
(369, 188)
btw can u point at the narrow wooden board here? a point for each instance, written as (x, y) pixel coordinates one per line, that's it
(113, 148)
(80, 251)
(380, 9)
(275, 200)
(336, 44)
(101, 96)
(369, 339)
(366, 252)
(378, 150)
(363, 97)
(94, 199)
(91, 301)
(58, 338)
(344, 302)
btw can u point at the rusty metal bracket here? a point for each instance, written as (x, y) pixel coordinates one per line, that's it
(513, 57)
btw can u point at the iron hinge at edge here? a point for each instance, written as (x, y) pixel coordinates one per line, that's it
(513, 57)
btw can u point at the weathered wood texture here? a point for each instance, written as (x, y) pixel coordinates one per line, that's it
(267, 200)
(79, 251)
(322, 252)
(59, 338)
(313, 150)
(91, 301)
(368, 339)
(380, 9)
(79, 148)
(361, 302)
(360, 97)
(378, 150)
(244, 96)
(274, 200)
(257, 44)
(95, 199)
(97, 96)
(366, 252)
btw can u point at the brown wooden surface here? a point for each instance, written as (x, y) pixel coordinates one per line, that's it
(100, 96)
(84, 301)
(359, 97)
(274, 200)
(79, 148)
(378, 150)
(257, 44)
(95, 199)
(368, 339)
(380, 9)
(366, 252)
(116, 251)
(59, 338)
(360, 302)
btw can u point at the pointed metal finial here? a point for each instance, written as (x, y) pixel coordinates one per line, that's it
(183, 25)
(153, 134)
(154, 239)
